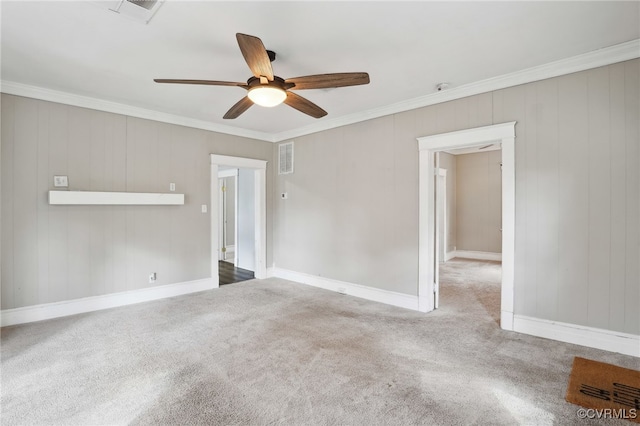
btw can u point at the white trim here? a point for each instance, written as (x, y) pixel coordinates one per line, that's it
(364, 292)
(474, 150)
(96, 303)
(238, 162)
(506, 320)
(628, 344)
(597, 58)
(449, 255)
(467, 137)
(271, 271)
(35, 92)
(478, 255)
(114, 198)
(221, 200)
(502, 133)
(235, 218)
(227, 173)
(507, 294)
(260, 179)
(442, 202)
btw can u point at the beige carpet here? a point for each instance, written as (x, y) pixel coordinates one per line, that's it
(276, 352)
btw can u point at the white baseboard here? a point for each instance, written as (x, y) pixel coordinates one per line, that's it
(364, 292)
(613, 341)
(96, 303)
(449, 255)
(271, 271)
(477, 255)
(506, 320)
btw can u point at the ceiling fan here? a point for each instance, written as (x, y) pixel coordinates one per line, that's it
(267, 89)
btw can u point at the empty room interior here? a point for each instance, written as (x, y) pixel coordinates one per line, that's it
(308, 213)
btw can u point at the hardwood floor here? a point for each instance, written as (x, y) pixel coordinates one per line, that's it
(229, 274)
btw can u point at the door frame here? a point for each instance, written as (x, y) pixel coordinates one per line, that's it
(442, 202)
(260, 211)
(428, 145)
(221, 221)
(440, 216)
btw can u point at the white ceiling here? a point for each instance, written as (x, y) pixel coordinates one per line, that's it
(84, 49)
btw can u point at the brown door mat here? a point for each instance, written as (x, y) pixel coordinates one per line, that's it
(607, 391)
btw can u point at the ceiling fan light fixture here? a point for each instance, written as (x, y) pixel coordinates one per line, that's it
(267, 96)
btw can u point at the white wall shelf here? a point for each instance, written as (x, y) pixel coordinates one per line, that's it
(113, 198)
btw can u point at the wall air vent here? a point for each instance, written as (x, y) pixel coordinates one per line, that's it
(285, 158)
(139, 10)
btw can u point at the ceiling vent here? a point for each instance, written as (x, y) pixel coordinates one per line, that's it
(147, 4)
(139, 10)
(285, 158)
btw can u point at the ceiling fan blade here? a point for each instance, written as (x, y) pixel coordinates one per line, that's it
(205, 82)
(256, 56)
(241, 106)
(304, 105)
(325, 81)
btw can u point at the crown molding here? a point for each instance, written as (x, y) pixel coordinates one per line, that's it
(19, 89)
(597, 58)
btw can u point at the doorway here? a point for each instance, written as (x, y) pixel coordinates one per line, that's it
(253, 173)
(235, 219)
(428, 146)
(227, 214)
(469, 224)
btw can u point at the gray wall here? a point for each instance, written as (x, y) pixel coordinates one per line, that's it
(479, 202)
(55, 253)
(448, 162)
(352, 212)
(246, 220)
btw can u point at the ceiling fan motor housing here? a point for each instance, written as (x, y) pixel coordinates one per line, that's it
(277, 82)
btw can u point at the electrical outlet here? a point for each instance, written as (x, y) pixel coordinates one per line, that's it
(172, 186)
(203, 208)
(284, 195)
(152, 278)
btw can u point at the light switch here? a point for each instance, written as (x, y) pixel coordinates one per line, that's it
(60, 182)
(204, 208)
